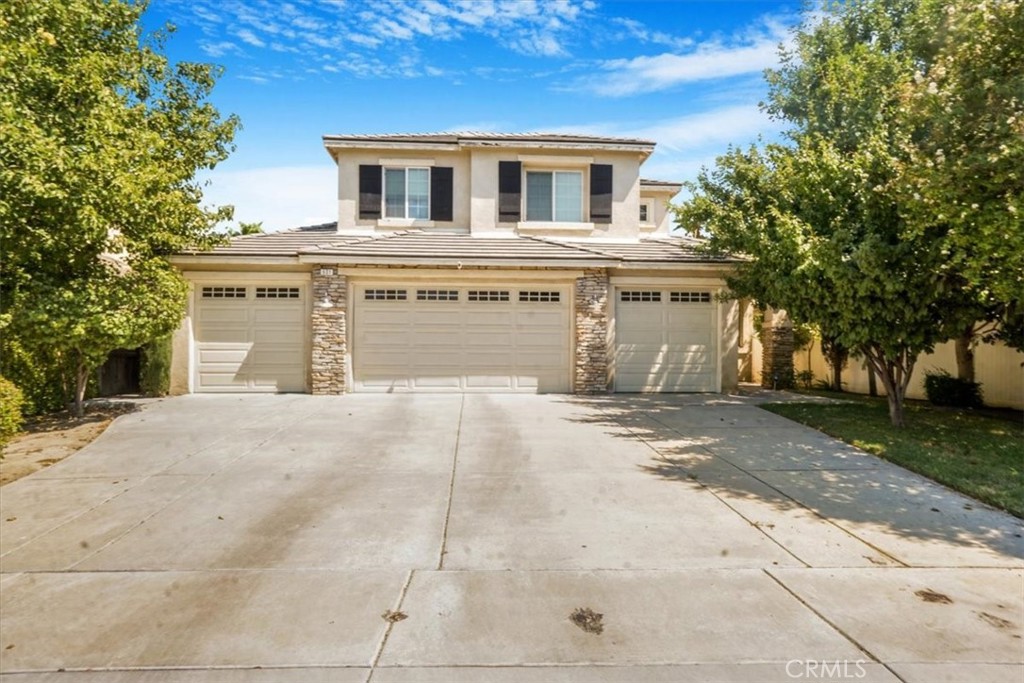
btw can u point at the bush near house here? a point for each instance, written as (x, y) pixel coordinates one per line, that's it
(11, 402)
(943, 389)
(155, 371)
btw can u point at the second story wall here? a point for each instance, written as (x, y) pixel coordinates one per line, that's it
(514, 187)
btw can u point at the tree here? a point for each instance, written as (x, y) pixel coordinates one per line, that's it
(825, 218)
(246, 229)
(100, 141)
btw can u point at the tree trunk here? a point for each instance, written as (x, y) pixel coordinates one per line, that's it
(81, 382)
(872, 380)
(965, 355)
(895, 375)
(837, 358)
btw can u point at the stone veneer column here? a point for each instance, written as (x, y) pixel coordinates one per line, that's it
(591, 332)
(329, 328)
(777, 350)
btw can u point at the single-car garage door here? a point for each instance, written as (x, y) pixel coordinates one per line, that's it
(250, 338)
(461, 338)
(665, 340)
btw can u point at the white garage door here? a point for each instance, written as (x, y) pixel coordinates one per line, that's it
(665, 340)
(250, 338)
(461, 338)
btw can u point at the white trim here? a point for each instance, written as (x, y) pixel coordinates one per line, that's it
(405, 162)
(418, 275)
(552, 161)
(665, 281)
(244, 277)
(405, 223)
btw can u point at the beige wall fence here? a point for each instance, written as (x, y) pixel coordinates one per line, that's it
(997, 367)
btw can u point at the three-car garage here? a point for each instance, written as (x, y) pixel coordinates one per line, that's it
(515, 337)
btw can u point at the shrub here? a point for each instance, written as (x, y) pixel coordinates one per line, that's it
(804, 379)
(11, 402)
(42, 376)
(155, 368)
(945, 390)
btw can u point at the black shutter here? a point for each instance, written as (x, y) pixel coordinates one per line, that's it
(369, 191)
(441, 191)
(600, 193)
(510, 191)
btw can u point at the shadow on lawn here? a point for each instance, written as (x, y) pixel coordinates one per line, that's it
(757, 455)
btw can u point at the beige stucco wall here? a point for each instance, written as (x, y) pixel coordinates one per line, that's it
(997, 367)
(475, 195)
(661, 222)
(181, 352)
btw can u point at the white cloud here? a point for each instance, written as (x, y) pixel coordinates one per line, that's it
(752, 52)
(281, 197)
(218, 49)
(250, 38)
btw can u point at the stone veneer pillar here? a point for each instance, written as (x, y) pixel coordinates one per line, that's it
(591, 333)
(329, 347)
(777, 350)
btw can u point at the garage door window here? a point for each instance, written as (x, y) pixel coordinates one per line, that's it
(385, 295)
(640, 296)
(487, 295)
(224, 292)
(690, 297)
(277, 292)
(540, 297)
(437, 295)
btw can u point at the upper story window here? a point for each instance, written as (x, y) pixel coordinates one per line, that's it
(399, 192)
(407, 193)
(645, 212)
(567, 195)
(554, 196)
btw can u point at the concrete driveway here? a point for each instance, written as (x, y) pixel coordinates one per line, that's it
(209, 539)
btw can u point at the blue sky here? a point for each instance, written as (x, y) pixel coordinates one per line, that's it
(687, 75)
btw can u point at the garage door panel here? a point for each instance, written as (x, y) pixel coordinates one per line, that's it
(248, 344)
(484, 381)
(223, 316)
(435, 382)
(461, 345)
(665, 345)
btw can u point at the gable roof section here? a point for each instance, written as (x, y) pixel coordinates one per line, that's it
(322, 244)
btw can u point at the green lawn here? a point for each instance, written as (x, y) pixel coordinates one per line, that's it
(981, 455)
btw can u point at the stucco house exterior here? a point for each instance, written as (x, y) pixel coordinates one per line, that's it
(466, 262)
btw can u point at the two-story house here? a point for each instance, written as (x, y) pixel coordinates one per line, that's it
(466, 262)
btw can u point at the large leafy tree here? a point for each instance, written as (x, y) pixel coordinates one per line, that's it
(101, 138)
(827, 219)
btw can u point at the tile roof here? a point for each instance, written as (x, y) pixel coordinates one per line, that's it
(654, 250)
(414, 245)
(474, 136)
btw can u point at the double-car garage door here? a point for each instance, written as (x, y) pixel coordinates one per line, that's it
(483, 338)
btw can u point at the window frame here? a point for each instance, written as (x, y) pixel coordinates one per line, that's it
(552, 173)
(646, 206)
(405, 192)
